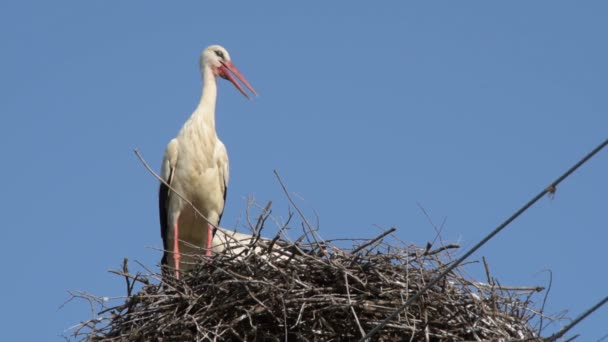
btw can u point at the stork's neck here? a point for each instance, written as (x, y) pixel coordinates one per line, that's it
(205, 112)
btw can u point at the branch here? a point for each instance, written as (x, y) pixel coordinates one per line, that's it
(374, 240)
(310, 228)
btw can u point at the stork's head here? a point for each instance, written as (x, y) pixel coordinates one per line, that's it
(218, 60)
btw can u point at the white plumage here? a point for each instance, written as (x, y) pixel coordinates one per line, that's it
(195, 165)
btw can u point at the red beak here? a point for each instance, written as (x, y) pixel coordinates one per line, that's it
(225, 72)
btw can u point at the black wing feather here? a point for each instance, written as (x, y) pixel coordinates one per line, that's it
(224, 207)
(163, 194)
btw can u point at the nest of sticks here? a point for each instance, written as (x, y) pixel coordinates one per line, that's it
(313, 290)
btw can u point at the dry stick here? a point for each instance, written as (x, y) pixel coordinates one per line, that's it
(135, 278)
(437, 229)
(293, 203)
(550, 189)
(262, 218)
(276, 237)
(374, 240)
(506, 288)
(285, 318)
(350, 304)
(576, 321)
(491, 283)
(485, 265)
(302, 216)
(125, 269)
(428, 252)
(257, 232)
(542, 307)
(441, 249)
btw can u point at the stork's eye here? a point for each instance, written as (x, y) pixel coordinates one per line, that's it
(220, 54)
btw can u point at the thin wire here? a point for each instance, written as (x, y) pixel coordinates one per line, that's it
(550, 189)
(577, 320)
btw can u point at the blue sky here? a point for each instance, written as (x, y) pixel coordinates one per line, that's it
(367, 111)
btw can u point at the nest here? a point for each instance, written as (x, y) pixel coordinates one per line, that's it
(268, 290)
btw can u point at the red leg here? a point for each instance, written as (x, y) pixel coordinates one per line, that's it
(209, 239)
(176, 255)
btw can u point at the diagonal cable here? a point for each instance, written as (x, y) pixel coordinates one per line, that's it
(550, 189)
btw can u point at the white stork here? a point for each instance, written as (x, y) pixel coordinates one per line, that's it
(195, 165)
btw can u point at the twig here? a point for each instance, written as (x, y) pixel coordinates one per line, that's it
(130, 276)
(262, 218)
(302, 216)
(509, 288)
(438, 230)
(350, 304)
(487, 268)
(441, 249)
(542, 307)
(125, 271)
(374, 240)
(278, 235)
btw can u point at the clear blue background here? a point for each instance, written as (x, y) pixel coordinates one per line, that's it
(367, 110)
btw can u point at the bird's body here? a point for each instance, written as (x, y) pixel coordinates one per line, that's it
(238, 245)
(195, 166)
